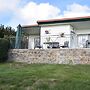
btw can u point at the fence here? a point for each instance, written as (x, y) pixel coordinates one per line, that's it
(53, 41)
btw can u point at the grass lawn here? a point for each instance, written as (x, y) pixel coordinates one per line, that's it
(19, 76)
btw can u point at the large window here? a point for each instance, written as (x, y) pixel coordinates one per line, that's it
(83, 40)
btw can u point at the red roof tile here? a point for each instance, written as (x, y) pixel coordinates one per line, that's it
(63, 19)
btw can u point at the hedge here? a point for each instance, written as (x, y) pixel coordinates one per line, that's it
(4, 46)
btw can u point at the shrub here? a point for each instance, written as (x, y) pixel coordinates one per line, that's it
(4, 46)
(1, 34)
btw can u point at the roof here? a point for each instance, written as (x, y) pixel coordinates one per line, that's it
(27, 26)
(63, 20)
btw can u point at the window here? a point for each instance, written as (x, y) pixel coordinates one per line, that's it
(82, 38)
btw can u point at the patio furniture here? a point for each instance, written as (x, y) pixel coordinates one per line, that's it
(66, 44)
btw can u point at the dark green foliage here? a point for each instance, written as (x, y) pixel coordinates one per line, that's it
(9, 31)
(12, 43)
(1, 31)
(6, 31)
(1, 34)
(4, 46)
(7, 39)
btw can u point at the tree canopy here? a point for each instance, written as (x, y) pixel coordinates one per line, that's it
(6, 31)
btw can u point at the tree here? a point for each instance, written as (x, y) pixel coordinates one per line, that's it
(1, 31)
(6, 31)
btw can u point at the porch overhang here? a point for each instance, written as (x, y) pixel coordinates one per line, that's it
(31, 30)
(77, 22)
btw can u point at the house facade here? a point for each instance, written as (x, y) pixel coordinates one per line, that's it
(56, 33)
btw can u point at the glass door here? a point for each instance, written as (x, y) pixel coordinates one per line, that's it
(82, 38)
(36, 42)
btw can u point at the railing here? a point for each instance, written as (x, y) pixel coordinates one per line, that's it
(54, 41)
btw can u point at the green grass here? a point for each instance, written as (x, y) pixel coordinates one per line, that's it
(19, 76)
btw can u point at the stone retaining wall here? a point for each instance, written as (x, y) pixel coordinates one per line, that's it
(51, 56)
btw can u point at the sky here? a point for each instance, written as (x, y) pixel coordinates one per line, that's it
(27, 12)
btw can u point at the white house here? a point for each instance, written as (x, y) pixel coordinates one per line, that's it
(59, 33)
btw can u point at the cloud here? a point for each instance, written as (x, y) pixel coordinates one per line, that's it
(39, 11)
(8, 5)
(32, 12)
(8, 10)
(75, 10)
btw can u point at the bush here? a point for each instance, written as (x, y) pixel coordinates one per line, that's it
(4, 46)
(1, 34)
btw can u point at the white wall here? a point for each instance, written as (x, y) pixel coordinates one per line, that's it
(55, 30)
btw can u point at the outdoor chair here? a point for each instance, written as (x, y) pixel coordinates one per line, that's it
(66, 44)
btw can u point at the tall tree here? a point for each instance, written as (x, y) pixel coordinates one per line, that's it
(1, 31)
(9, 31)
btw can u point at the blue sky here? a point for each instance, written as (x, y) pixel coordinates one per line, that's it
(26, 12)
(61, 3)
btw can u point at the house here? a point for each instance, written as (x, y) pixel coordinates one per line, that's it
(56, 33)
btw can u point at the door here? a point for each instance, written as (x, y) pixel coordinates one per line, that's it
(34, 41)
(73, 40)
(31, 43)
